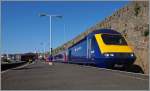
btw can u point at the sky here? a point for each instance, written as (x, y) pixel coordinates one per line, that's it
(23, 30)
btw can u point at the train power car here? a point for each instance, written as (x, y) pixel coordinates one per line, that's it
(104, 47)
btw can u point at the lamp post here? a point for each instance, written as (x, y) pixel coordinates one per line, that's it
(50, 23)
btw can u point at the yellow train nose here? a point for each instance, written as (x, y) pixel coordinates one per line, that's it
(111, 48)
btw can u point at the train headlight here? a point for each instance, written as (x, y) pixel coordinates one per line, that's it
(107, 55)
(132, 55)
(111, 55)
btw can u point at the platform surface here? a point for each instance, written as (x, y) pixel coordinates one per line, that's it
(60, 76)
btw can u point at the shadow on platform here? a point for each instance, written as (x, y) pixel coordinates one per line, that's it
(135, 68)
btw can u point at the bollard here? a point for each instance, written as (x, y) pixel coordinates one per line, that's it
(50, 63)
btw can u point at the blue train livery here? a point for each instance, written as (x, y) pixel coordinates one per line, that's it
(104, 47)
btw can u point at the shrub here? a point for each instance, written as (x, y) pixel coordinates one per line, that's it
(137, 9)
(146, 33)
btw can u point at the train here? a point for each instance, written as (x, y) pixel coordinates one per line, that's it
(104, 48)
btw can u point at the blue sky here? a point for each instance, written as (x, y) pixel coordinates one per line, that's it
(24, 31)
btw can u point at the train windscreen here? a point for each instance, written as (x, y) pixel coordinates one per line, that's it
(113, 39)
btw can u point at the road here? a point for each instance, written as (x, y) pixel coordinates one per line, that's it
(60, 76)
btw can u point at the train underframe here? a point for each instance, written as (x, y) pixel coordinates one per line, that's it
(104, 62)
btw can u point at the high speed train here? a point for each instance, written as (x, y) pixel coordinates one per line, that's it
(104, 47)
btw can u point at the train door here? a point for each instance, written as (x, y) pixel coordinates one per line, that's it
(92, 51)
(91, 48)
(89, 41)
(69, 55)
(65, 56)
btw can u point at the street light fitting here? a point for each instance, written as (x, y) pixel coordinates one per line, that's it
(59, 16)
(44, 14)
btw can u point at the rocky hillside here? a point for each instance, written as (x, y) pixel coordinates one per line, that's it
(132, 22)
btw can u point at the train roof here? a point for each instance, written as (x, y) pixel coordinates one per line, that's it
(108, 31)
(102, 31)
